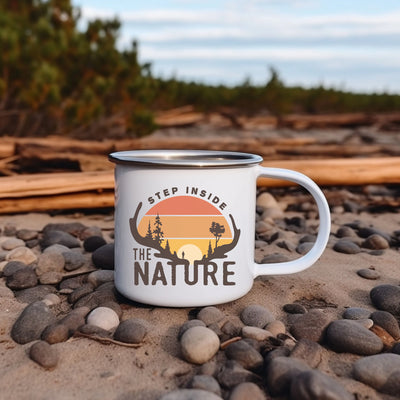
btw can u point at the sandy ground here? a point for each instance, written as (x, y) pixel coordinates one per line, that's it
(91, 370)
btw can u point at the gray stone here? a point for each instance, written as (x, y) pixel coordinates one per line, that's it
(388, 322)
(305, 247)
(386, 298)
(190, 394)
(365, 232)
(232, 374)
(56, 248)
(205, 382)
(31, 322)
(75, 319)
(252, 332)
(346, 247)
(73, 228)
(244, 354)
(73, 260)
(256, 315)
(94, 330)
(368, 273)
(345, 231)
(22, 279)
(280, 373)
(35, 293)
(27, 234)
(50, 262)
(189, 324)
(199, 344)
(311, 385)
(89, 232)
(311, 326)
(102, 295)
(103, 257)
(351, 337)
(12, 243)
(375, 242)
(356, 313)
(132, 330)
(276, 327)
(51, 278)
(80, 292)
(73, 283)
(51, 237)
(97, 278)
(379, 371)
(210, 315)
(308, 351)
(55, 333)
(92, 243)
(294, 308)
(233, 326)
(274, 258)
(13, 266)
(44, 354)
(247, 391)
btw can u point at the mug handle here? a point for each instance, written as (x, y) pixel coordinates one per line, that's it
(312, 256)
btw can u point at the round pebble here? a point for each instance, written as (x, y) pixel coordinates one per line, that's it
(51, 278)
(31, 322)
(12, 243)
(368, 273)
(132, 330)
(26, 234)
(247, 390)
(310, 326)
(44, 354)
(58, 237)
(266, 200)
(245, 354)
(210, 315)
(308, 351)
(346, 247)
(256, 315)
(50, 262)
(305, 247)
(386, 298)
(55, 333)
(294, 308)
(356, 313)
(276, 327)
(375, 242)
(12, 266)
(388, 322)
(104, 318)
(345, 231)
(199, 344)
(232, 374)
(73, 260)
(56, 248)
(189, 324)
(97, 278)
(103, 257)
(92, 243)
(23, 254)
(379, 371)
(252, 332)
(22, 278)
(205, 382)
(311, 385)
(350, 337)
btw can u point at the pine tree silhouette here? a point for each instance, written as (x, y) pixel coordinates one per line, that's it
(167, 248)
(217, 230)
(149, 234)
(209, 253)
(158, 233)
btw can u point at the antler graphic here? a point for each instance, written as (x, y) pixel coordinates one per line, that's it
(150, 242)
(220, 252)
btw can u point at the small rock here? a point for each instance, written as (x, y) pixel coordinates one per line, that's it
(308, 351)
(388, 322)
(80, 292)
(276, 327)
(51, 299)
(94, 330)
(50, 262)
(274, 258)
(266, 200)
(12, 266)
(310, 326)
(189, 324)
(232, 374)
(294, 308)
(280, 373)
(375, 242)
(73, 228)
(305, 247)
(22, 279)
(73, 260)
(247, 390)
(311, 385)
(252, 332)
(256, 315)
(346, 247)
(244, 354)
(75, 319)
(92, 243)
(350, 337)
(23, 254)
(56, 248)
(44, 354)
(368, 273)
(35, 293)
(104, 318)
(55, 333)
(386, 298)
(345, 231)
(31, 322)
(103, 257)
(190, 394)
(199, 344)
(379, 371)
(10, 229)
(366, 323)
(12, 243)
(205, 382)
(210, 315)
(233, 326)
(356, 313)
(51, 237)
(132, 330)
(27, 234)
(89, 232)
(51, 278)
(97, 278)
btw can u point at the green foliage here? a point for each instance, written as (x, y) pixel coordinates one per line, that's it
(68, 81)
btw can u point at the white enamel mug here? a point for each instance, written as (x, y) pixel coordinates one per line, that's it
(185, 225)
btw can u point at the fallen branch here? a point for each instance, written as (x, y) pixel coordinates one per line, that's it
(105, 340)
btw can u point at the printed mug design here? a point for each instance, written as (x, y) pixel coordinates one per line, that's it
(186, 235)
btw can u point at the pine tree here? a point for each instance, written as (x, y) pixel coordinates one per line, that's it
(149, 234)
(158, 233)
(167, 248)
(209, 253)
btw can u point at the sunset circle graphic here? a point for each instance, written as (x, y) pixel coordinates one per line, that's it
(190, 228)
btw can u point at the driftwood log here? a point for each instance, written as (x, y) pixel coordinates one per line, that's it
(91, 190)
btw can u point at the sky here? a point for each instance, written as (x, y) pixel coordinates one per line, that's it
(343, 44)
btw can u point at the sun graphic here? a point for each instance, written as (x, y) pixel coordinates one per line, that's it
(190, 252)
